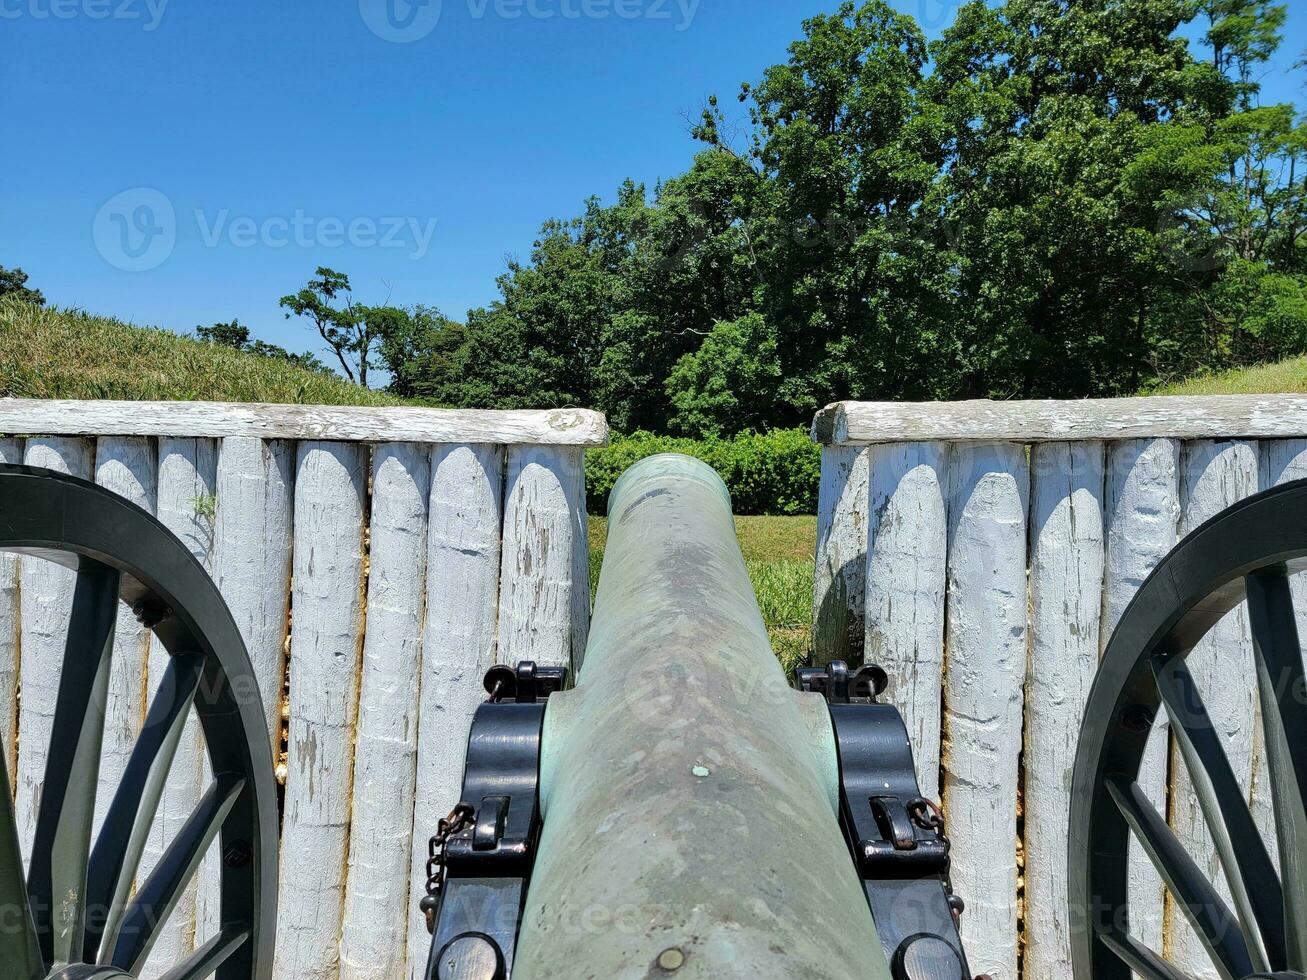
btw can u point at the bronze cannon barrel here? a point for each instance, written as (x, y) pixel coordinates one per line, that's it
(690, 795)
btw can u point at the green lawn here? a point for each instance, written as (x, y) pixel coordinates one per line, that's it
(1285, 377)
(779, 554)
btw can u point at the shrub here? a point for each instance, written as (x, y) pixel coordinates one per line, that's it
(770, 473)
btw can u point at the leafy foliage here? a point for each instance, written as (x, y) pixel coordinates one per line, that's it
(13, 283)
(1055, 198)
(774, 473)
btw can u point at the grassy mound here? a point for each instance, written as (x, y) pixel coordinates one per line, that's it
(54, 353)
(1284, 377)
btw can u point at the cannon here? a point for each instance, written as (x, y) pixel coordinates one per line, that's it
(683, 810)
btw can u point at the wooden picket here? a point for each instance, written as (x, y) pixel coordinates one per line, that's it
(1113, 485)
(376, 561)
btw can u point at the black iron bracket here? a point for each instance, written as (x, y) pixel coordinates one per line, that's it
(485, 865)
(896, 835)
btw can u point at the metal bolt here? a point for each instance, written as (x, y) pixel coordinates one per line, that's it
(671, 959)
(237, 854)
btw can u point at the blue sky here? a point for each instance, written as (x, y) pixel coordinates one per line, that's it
(173, 162)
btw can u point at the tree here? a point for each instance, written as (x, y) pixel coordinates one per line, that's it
(1055, 198)
(13, 282)
(237, 337)
(730, 383)
(354, 332)
(420, 349)
(225, 334)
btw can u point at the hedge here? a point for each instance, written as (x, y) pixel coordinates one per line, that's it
(772, 473)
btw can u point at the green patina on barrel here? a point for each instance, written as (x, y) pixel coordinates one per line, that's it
(690, 794)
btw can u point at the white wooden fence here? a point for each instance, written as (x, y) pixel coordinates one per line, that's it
(982, 553)
(376, 561)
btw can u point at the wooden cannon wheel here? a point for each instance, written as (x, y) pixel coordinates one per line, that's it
(1248, 553)
(82, 910)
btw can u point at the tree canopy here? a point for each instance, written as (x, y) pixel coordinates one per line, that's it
(1056, 198)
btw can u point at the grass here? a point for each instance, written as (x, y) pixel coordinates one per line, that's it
(1284, 377)
(56, 353)
(778, 552)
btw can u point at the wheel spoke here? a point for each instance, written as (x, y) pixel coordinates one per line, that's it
(154, 901)
(62, 840)
(1216, 926)
(116, 859)
(1142, 960)
(20, 952)
(1248, 868)
(1281, 687)
(204, 962)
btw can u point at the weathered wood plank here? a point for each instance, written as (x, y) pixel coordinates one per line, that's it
(325, 653)
(458, 644)
(11, 451)
(46, 602)
(986, 631)
(540, 616)
(126, 466)
(1066, 587)
(1143, 514)
(839, 589)
(1215, 475)
(374, 939)
(1219, 417)
(187, 481)
(252, 555)
(252, 541)
(905, 587)
(220, 420)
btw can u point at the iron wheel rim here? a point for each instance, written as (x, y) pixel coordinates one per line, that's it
(1248, 551)
(120, 550)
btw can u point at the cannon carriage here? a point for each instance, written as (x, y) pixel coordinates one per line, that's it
(683, 810)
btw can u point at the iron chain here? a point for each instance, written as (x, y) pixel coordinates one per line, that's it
(459, 819)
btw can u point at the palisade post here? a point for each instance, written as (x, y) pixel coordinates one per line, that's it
(252, 542)
(465, 518)
(1215, 475)
(984, 681)
(375, 934)
(541, 615)
(1066, 583)
(1143, 520)
(11, 451)
(326, 646)
(839, 589)
(187, 477)
(46, 593)
(253, 537)
(126, 466)
(906, 551)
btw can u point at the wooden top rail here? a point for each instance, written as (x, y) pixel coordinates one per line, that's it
(214, 420)
(1177, 417)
